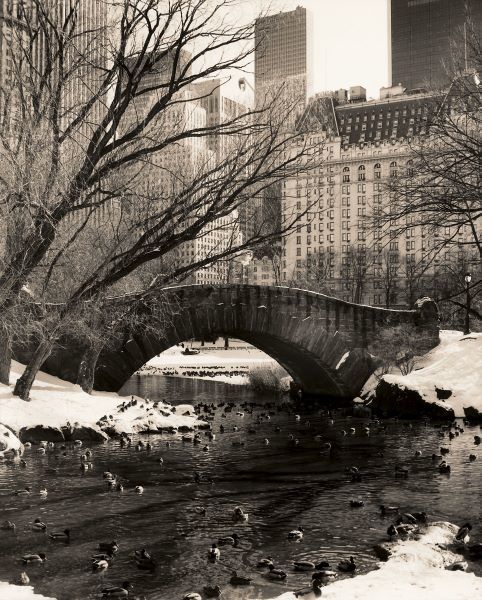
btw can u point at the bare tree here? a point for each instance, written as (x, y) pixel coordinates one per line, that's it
(88, 127)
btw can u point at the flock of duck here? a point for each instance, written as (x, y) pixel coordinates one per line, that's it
(405, 524)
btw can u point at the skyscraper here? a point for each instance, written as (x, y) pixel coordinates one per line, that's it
(282, 55)
(423, 34)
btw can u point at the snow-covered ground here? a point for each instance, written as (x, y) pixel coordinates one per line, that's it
(417, 570)
(55, 402)
(17, 592)
(212, 363)
(455, 365)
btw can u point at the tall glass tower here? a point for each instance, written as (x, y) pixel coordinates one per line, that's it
(424, 34)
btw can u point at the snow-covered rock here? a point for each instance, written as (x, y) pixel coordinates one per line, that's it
(60, 410)
(416, 570)
(9, 442)
(446, 382)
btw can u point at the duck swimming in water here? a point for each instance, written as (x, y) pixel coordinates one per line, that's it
(33, 558)
(265, 562)
(230, 540)
(240, 515)
(117, 592)
(214, 553)
(314, 590)
(347, 566)
(61, 536)
(274, 573)
(304, 565)
(38, 525)
(296, 534)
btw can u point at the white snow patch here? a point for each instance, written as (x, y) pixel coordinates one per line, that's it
(342, 360)
(9, 442)
(415, 571)
(19, 592)
(55, 402)
(455, 364)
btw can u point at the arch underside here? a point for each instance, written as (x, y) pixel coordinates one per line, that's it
(306, 369)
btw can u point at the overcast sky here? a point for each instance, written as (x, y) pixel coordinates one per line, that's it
(350, 45)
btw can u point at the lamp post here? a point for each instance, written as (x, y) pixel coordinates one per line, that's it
(467, 279)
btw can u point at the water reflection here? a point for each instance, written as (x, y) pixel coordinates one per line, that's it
(280, 486)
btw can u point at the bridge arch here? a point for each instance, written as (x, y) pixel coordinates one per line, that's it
(325, 344)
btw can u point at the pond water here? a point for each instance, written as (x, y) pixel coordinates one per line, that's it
(279, 485)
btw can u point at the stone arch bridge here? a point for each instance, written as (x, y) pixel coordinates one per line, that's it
(327, 345)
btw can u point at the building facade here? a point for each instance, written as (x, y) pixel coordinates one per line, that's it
(424, 35)
(342, 245)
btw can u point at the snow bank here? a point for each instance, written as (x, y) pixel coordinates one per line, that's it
(55, 402)
(17, 592)
(9, 442)
(453, 366)
(415, 571)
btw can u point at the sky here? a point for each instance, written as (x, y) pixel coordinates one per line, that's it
(350, 40)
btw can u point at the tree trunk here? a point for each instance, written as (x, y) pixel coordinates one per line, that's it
(25, 381)
(86, 373)
(5, 355)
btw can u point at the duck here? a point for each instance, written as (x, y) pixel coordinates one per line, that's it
(24, 492)
(444, 467)
(23, 579)
(100, 565)
(460, 565)
(296, 534)
(406, 518)
(240, 515)
(347, 566)
(145, 561)
(239, 579)
(61, 535)
(78, 443)
(8, 526)
(322, 565)
(108, 556)
(117, 592)
(212, 591)
(230, 540)
(418, 453)
(111, 547)
(304, 565)
(421, 517)
(40, 450)
(27, 445)
(214, 553)
(38, 525)
(139, 489)
(477, 440)
(392, 532)
(274, 573)
(357, 503)
(388, 510)
(43, 492)
(33, 558)
(265, 562)
(315, 590)
(192, 596)
(324, 574)
(463, 534)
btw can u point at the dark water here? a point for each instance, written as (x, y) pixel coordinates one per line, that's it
(279, 486)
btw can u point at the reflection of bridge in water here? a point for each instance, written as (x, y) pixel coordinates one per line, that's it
(324, 343)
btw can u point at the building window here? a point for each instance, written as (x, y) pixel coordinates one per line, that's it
(361, 173)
